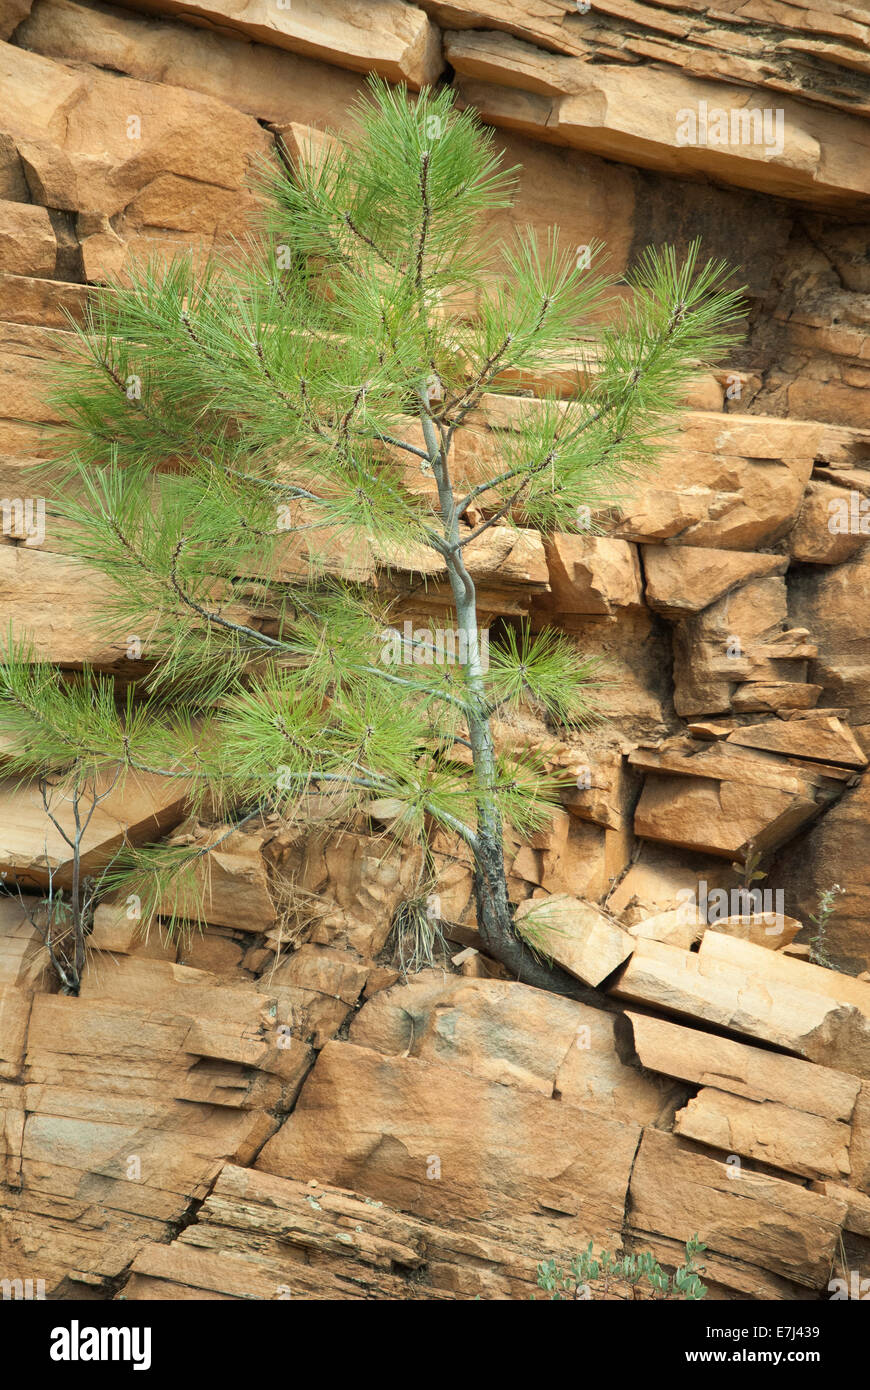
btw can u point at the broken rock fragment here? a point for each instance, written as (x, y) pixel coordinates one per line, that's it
(576, 935)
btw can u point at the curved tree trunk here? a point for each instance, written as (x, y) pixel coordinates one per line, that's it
(494, 912)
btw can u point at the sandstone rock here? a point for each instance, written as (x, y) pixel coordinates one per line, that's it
(246, 1032)
(821, 736)
(319, 986)
(23, 958)
(262, 1237)
(587, 198)
(379, 978)
(32, 300)
(740, 653)
(603, 787)
(345, 886)
(548, 27)
(685, 579)
(304, 145)
(729, 954)
(643, 117)
(103, 251)
(395, 39)
(776, 1134)
(287, 1059)
(527, 865)
(812, 541)
(624, 32)
(268, 83)
(13, 185)
(661, 879)
(678, 927)
(117, 927)
(22, 967)
(437, 1142)
(594, 1076)
(834, 853)
(27, 241)
(140, 808)
(266, 1237)
(171, 165)
(751, 1072)
(231, 886)
(859, 1154)
(132, 1098)
(217, 949)
(799, 951)
(581, 865)
(771, 929)
(857, 1218)
(854, 477)
(821, 367)
(454, 888)
(506, 1032)
(577, 935)
(593, 574)
(25, 412)
(11, 14)
(755, 992)
(56, 603)
(834, 603)
(744, 488)
(754, 1218)
(772, 696)
(718, 803)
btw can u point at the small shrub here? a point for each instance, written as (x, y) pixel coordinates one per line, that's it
(587, 1269)
(819, 942)
(417, 935)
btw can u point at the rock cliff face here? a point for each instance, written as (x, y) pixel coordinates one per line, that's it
(269, 1111)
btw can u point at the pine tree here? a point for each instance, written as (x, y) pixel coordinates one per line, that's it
(305, 395)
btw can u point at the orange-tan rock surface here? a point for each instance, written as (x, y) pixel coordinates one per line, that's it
(271, 1110)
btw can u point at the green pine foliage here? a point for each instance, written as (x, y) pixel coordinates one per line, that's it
(295, 393)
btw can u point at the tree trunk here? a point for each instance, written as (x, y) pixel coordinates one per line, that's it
(494, 913)
(495, 924)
